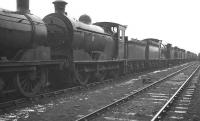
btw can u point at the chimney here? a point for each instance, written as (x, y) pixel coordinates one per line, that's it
(60, 6)
(168, 53)
(23, 6)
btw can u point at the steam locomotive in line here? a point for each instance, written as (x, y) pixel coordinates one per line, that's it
(57, 51)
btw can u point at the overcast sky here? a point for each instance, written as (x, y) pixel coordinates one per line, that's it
(173, 21)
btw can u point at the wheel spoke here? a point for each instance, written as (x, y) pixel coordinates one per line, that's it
(29, 83)
(82, 77)
(23, 83)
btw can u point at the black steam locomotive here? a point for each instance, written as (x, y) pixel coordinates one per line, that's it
(58, 50)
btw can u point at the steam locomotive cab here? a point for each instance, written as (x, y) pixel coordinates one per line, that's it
(117, 32)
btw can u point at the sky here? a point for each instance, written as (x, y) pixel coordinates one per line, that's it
(172, 21)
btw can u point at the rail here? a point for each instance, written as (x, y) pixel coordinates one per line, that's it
(107, 107)
(164, 109)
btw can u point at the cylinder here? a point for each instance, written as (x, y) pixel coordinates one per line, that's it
(23, 6)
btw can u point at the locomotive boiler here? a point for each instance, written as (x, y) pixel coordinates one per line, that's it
(87, 42)
(22, 34)
(24, 56)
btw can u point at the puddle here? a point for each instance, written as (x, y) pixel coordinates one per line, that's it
(187, 101)
(157, 102)
(188, 95)
(123, 113)
(186, 98)
(118, 119)
(178, 111)
(159, 96)
(127, 82)
(79, 116)
(184, 108)
(173, 83)
(180, 76)
(160, 71)
(175, 117)
(154, 99)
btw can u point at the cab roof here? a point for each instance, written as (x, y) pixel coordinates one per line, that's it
(109, 24)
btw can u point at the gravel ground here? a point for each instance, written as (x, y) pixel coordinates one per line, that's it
(144, 106)
(181, 109)
(193, 112)
(73, 106)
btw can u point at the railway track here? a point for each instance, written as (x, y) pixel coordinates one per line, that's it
(146, 102)
(18, 101)
(178, 104)
(23, 102)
